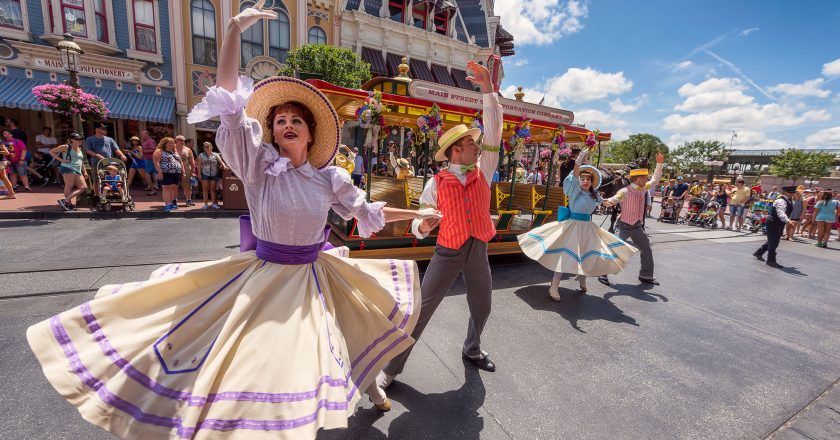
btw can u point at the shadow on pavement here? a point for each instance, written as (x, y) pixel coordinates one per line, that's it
(575, 306)
(634, 291)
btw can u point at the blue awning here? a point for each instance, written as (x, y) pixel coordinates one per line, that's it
(17, 93)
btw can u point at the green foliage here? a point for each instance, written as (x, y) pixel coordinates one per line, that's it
(793, 164)
(336, 65)
(638, 145)
(689, 157)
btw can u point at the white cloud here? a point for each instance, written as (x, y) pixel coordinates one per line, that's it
(735, 118)
(595, 118)
(617, 106)
(807, 88)
(714, 93)
(517, 62)
(746, 32)
(746, 139)
(682, 66)
(832, 68)
(826, 137)
(541, 22)
(581, 85)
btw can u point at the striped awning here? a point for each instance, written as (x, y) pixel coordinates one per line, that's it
(442, 75)
(18, 93)
(374, 58)
(460, 78)
(420, 70)
(394, 62)
(123, 105)
(138, 106)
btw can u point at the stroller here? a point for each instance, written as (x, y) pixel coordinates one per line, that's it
(695, 207)
(757, 220)
(668, 213)
(109, 199)
(708, 217)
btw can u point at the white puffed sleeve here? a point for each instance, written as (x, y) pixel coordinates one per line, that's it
(350, 202)
(239, 138)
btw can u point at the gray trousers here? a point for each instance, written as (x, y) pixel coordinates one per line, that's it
(636, 234)
(446, 265)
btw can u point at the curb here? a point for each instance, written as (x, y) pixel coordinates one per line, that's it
(57, 215)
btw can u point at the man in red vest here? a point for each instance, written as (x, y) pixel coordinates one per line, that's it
(462, 194)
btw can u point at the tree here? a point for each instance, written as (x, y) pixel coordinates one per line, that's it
(794, 164)
(336, 65)
(689, 157)
(638, 145)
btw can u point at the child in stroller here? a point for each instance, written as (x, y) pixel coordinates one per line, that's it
(112, 183)
(708, 218)
(669, 209)
(695, 207)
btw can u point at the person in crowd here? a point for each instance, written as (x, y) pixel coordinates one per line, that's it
(576, 245)
(45, 142)
(112, 182)
(210, 165)
(17, 132)
(358, 167)
(826, 211)
(280, 318)
(631, 220)
(149, 149)
(170, 171)
(402, 168)
(696, 188)
(680, 193)
(38, 165)
(809, 226)
(566, 167)
(188, 161)
(462, 194)
(739, 197)
(795, 215)
(71, 156)
(5, 163)
(138, 164)
(17, 168)
(777, 217)
(722, 195)
(98, 147)
(774, 193)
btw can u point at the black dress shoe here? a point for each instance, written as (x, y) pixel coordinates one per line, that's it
(775, 265)
(758, 256)
(649, 281)
(604, 280)
(483, 363)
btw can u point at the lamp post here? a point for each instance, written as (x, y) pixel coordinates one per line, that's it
(70, 57)
(812, 182)
(712, 163)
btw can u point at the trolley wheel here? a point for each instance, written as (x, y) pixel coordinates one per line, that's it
(107, 206)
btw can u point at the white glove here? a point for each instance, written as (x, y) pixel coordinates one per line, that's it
(425, 213)
(248, 17)
(583, 157)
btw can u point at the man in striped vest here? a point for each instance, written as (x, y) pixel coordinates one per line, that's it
(462, 194)
(631, 221)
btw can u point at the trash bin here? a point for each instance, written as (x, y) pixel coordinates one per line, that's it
(233, 192)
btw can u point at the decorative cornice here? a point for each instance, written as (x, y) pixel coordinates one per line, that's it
(388, 25)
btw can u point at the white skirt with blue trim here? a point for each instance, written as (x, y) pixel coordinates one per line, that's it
(577, 247)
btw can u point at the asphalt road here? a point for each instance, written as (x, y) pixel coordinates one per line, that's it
(725, 348)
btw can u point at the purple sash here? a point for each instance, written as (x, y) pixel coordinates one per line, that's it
(279, 253)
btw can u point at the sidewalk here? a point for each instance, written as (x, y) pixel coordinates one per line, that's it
(43, 203)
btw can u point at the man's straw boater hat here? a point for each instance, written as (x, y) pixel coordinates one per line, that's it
(278, 90)
(451, 136)
(639, 172)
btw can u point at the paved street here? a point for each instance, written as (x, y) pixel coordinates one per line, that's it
(725, 348)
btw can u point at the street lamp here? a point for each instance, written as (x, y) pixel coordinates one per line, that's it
(712, 163)
(70, 57)
(812, 182)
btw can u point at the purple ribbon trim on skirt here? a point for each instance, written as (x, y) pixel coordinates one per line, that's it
(272, 252)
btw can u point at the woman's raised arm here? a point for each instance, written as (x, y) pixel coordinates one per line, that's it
(228, 70)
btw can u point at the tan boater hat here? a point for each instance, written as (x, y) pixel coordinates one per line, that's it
(277, 90)
(451, 136)
(639, 172)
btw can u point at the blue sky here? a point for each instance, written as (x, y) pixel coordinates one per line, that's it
(683, 70)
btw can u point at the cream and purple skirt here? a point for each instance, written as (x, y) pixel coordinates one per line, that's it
(576, 246)
(267, 344)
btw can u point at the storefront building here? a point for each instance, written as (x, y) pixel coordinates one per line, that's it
(126, 61)
(265, 46)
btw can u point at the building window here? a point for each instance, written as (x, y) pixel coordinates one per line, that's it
(317, 35)
(419, 16)
(11, 14)
(203, 32)
(101, 17)
(442, 23)
(396, 9)
(144, 26)
(279, 36)
(73, 15)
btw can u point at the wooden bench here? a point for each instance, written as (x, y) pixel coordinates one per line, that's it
(415, 189)
(392, 191)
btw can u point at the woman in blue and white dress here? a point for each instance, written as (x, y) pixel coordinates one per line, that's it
(577, 245)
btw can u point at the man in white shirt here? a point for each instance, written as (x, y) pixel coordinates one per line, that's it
(45, 141)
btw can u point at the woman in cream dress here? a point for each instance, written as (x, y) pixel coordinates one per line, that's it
(272, 343)
(577, 245)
